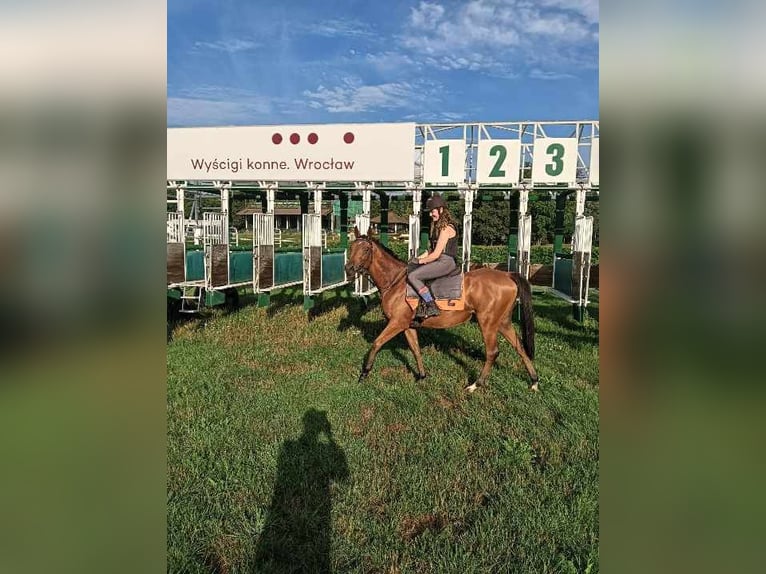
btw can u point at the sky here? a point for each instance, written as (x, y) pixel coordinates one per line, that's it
(253, 62)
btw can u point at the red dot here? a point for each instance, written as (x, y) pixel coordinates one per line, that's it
(313, 138)
(348, 137)
(294, 138)
(277, 138)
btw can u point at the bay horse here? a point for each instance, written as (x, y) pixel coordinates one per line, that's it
(489, 294)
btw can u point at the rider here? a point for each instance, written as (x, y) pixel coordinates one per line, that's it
(439, 259)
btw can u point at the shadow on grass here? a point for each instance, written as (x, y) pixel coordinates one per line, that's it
(297, 534)
(569, 331)
(454, 346)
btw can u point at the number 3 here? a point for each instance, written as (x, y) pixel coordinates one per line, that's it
(557, 153)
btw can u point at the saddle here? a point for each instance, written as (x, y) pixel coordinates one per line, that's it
(447, 292)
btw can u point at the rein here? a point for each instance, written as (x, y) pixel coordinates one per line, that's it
(366, 269)
(394, 281)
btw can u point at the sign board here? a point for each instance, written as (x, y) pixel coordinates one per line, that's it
(594, 162)
(554, 160)
(444, 161)
(328, 152)
(498, 161)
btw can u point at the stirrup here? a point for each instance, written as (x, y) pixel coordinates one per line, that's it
(431, 310)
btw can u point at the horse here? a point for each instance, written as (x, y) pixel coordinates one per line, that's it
(489, 294)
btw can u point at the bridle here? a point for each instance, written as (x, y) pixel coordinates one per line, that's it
(365, 267)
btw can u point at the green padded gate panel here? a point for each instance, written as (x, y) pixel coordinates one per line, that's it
(562, 279)
(333, 268)
(195, 265)
(288, 267)
(241, 267)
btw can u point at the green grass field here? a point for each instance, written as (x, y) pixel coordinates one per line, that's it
(280, 461)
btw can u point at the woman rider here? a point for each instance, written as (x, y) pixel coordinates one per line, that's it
(439, 260)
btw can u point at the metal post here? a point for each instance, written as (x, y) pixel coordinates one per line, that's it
(413, 246)
(343, 220)
(180, 201)
(513, 230)
(425, 222)
(468, 192)
(384, 204)
(558, 241)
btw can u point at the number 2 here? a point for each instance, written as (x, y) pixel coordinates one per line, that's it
(501, 152)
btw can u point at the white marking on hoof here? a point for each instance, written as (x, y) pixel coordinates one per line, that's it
(471, 388)
(535, 387)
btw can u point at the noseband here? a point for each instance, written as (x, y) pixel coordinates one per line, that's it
(364, 267)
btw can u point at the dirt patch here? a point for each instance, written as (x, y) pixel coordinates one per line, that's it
(377, 507)
(396, 428)
(445, 403)
(393, 372)
(411, 528)
(299, 369)
(365, 416)
(217, 557)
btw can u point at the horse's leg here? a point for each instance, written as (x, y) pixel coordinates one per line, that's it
(489, 332)
(389, 332)
(412, 341)
(506, 328)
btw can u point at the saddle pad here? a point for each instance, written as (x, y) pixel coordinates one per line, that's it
(448, 292)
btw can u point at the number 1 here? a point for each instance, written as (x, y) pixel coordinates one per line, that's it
(444, 150)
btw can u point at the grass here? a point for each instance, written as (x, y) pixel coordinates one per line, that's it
(279, 461)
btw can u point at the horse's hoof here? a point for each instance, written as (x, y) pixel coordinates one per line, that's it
(419, 376)
(363, 375)
(534, 386)
(471, 388)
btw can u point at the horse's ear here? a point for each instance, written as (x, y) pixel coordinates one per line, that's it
(356, 231)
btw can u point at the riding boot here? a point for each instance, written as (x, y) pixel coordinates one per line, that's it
(431, 310)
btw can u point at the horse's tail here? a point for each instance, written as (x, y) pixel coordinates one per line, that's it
(527, 316)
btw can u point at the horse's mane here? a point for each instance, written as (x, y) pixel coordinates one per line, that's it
(384, 248)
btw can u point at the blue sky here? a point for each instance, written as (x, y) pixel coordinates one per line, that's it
(247, 62)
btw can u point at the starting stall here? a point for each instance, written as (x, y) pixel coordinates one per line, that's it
(272, 268)
(513, 162)
(323, 268)
(363, 287)
(209, 275)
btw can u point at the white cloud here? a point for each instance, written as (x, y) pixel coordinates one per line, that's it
(436, 117)
(354, 96)
(230, 45)
(537, 74)
(217, 105)
(588, 9)
(500, 36)
(198, 112)
(389, 61)
(426, 15)
(334, 28)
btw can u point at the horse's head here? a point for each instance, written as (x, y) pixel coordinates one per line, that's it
(359, 255)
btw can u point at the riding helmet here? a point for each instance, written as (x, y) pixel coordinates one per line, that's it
(436, 202)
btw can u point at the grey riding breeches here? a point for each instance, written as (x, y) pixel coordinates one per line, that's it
(439, 268)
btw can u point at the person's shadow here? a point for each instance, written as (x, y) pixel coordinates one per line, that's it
(297, 534)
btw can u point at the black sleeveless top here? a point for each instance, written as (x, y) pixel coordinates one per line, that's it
(449, 249)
